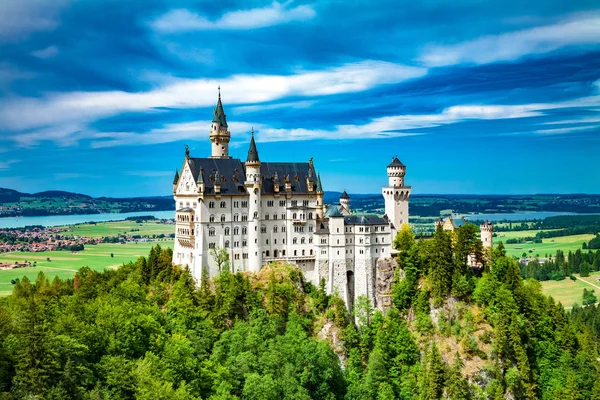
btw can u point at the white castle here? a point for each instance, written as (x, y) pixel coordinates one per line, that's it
(262, 212)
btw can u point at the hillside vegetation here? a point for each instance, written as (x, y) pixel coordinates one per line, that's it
(147, 331)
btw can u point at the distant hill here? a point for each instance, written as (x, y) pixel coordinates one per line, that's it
(57, 202)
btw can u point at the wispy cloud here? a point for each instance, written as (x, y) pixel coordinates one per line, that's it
(560, 131)
(48, 52)
(579, 29)
(181, 20)
(9, 73)
(19, 18)
(78, 107)
(7, 163)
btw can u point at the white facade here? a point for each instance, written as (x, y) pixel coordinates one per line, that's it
(265, 212)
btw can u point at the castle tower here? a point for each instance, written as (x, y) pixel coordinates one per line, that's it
(219, 135)
(396, 195)
(319, 197)
(253, 185)
(345, 201)
(487, 230)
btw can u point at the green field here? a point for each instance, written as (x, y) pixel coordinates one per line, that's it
(547, 247)
(119, 228)
(569, 292)
(64, 264)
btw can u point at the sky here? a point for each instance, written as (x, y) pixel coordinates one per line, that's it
(475, 97)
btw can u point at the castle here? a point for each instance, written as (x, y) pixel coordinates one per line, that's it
(262, 212)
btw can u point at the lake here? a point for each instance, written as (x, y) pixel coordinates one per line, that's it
(60, 220)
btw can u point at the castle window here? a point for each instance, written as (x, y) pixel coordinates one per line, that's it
(281, 203)
(223, 204)
(267, 253)
(244, 217)
(236, 204)
(382, 240)
(227, 231)
(310, 240)
(236, 244)
(270, 203)
(211, 218)
(310, 228)
(236, 230)
(311, 252)
(283, 228)
(294, 216)
(295, 252)
(294, 203)
(283, 252)
(282, 216)
(211, 232)
(275, 229)
(236, 217)
(323, 241)
(244, 204)
(244, 230)
(211, 245)
(227, 244)
(263, 229)
(244, 243)
(305, 203)
(274, 216)
(303, 252)
(323, 251)
(310, 215)
(267, 216)
(211, 204)
(222, 217)
(255, 214)
(295, 240)
(302, 240)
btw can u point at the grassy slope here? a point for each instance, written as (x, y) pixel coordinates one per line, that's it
(119, 227)
(64, 264)
(548, 247)
(569, 292)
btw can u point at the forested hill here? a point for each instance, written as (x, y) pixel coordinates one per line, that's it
(56, 202)
(146, 331)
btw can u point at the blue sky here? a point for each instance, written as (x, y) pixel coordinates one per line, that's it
(483, 97)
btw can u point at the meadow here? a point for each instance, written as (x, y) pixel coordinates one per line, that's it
(65, 264)
(546, 248)
(569, 292)
(116, 228)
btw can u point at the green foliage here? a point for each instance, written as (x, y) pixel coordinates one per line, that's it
(589, 297)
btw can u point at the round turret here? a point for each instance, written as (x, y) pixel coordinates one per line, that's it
(487, 232)
(396, 172)
(345, 201)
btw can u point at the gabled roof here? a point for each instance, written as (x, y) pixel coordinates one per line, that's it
(334, 211)
(252, 152)
(396, 163)
(367, 219)
(345, 195)
(219, 114)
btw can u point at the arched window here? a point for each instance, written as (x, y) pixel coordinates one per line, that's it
(227, 244)
(211, 204)
(236, 230)
(283, 252)
(211, 218)
(267, 253)
(227, 231)
(302, 240)
(236, 217)
(295, 252)
(303, 252)
(311, 252)
(295, 241)
(282, 216)
(267, 216)
(255, 214)
(275, 229)
(294, 216)
(222, 217)
(223, 204)
(244, 218)
(244, 230)
(211, 232)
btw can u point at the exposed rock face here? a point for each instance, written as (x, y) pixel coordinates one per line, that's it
(385, 277)
(331, 333)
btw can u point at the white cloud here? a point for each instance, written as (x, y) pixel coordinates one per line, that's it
(573, 121)
(48, 52)
(560, 131)
(7, 163)
(79, 107)
(19, 18)
(580, 29)
(181, 20)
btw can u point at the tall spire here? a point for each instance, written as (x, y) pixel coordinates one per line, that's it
(176, 179)
(319, 186)
(219, 115)
(252, 152)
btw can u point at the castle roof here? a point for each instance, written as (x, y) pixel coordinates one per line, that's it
(252, 152)
(367, 219)
(345, 195)
(396, 163)
(334, 211)
(219, 114)
(232, 173)
(176, 179)
(319, 185)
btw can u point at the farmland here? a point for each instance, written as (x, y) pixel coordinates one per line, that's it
(548, 246)
(116, 228)
(65, 264)
(569, 292)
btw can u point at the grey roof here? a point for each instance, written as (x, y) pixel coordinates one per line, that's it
(369, 219)
(252, 152)
(334, 211)
(232, 173)
(219, 114)
(319, 185)
(344, 195)
(176, 179)
(396, 163)
(285, 170)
